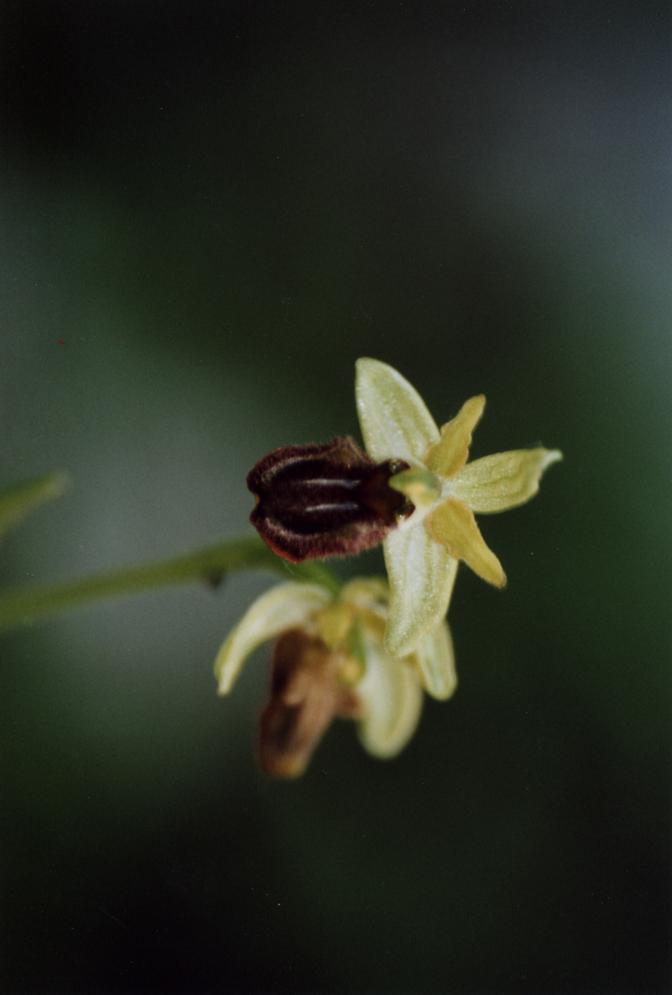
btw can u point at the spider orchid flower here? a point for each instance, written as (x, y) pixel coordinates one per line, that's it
(330, 661)
(422, 553)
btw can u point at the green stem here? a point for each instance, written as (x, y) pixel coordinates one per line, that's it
(21, 607)
(20, 500)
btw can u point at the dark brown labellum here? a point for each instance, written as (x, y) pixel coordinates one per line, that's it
(324, 500)
(306, 695)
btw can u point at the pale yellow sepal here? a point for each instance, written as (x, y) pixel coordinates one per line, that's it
(454, 526)
(393, 417)
(435, 660)
(421, 575)
(392, 701)
(276, 611)
(450, 453)
(503, 480)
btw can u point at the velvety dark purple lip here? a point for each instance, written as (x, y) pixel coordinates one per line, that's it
(327, 499)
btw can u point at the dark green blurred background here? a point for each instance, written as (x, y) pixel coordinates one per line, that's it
(218, 207)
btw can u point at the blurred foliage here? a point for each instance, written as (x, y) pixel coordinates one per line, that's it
(208, 212)
(18, 500)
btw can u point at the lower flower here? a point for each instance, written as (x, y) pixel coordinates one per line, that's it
(330, 662)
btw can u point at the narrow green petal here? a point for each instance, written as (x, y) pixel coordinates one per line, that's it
(504, 480)
(283, 607)
(421, 575)
(19, 500)
(391, 697)
(452, 450)
(394, 420)
(454, 526)
(436, 662)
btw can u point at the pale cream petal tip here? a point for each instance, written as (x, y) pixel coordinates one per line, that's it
(392, 699)
(552, 456)
(283, 607)
(435, 661)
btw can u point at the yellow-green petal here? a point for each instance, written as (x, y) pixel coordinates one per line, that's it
(394, 419)
(333, 624)
(283, 607)
(435, 660)
(391, 698)
(366, 592)
(421, 575)
(504, 480)
(454, 526)
(450, 453)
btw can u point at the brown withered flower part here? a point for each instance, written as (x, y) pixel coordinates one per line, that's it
(322, 500)
(307, 693)
(330, 662)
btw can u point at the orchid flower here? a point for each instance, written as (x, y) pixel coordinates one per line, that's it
(422, 553)
(330, 661)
